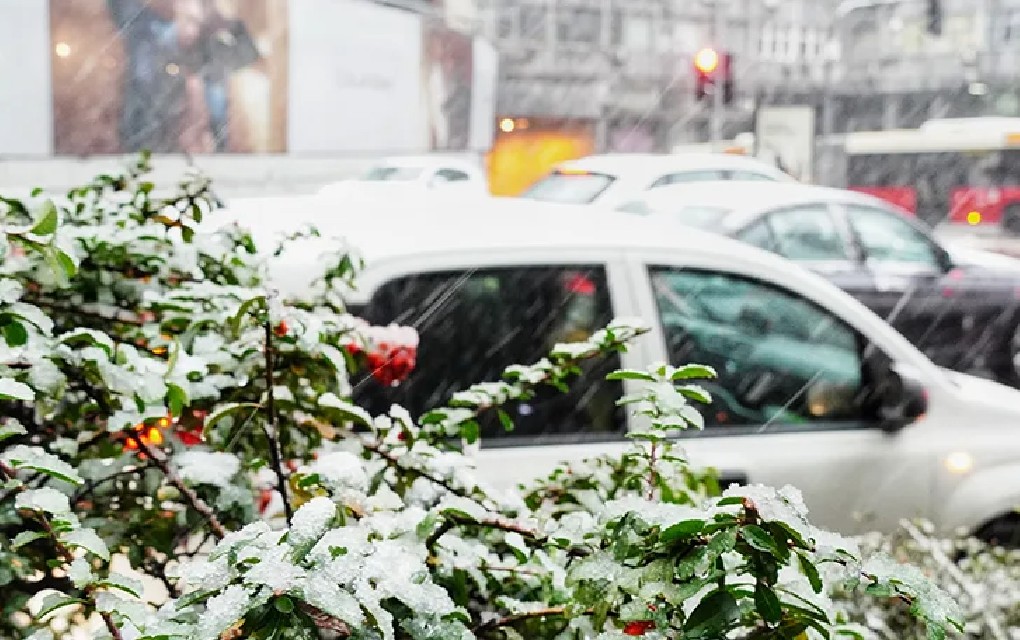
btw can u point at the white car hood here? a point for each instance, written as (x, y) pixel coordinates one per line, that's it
(984, 392)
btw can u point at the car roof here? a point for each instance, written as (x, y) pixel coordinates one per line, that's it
(746, 201)
(640, 164)
(428, 162)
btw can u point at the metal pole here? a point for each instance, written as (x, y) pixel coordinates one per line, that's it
(717, 89)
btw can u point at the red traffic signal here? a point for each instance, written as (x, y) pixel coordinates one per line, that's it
(713, 69)
(706, 61)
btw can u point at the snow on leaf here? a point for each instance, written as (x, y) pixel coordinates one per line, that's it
(124, 583)
(11, 389)
(80, 573)
(53, 601)
(133, 610)
(89, 337)
(340, 472)
(89, 540)
(277, 574)
(214, 468)
(25, 537)
(311, 521)
(348, 410)
(10, 429)
(319, 591)
(223, 610)
(36, 459)
(46, 499)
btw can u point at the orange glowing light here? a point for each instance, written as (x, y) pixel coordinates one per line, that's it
(706, 60)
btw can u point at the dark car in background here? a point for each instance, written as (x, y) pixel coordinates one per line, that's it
(960, 306)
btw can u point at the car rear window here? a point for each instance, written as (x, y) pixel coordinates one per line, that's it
(569, 187)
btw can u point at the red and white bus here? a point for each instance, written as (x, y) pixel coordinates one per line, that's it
(957, 171)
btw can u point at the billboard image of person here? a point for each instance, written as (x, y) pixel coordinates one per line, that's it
(170, 76)
(447, 66)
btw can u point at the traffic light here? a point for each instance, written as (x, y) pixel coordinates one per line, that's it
(714, 70)
(935, 17)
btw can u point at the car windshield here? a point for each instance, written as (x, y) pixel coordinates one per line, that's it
(391, 174)
(570, 187)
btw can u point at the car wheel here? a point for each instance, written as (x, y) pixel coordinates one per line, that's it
(1003, 531)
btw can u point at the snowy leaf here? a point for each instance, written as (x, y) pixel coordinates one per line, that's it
(208, 467)
(90, 337)
(124, 583)
(11, 389)
(226, 411)
(10, 429)
(47, 222)
(346, 409)
(223, 610)
(311, 521)
(691, 371)
(89, 540)
(34, 458)
(321, 592)
(54, 601)
(46, 499)
(80, 573)
(25, 537)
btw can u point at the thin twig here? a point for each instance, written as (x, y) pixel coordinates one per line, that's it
(506, 621)
(175, 479)
(272, 429)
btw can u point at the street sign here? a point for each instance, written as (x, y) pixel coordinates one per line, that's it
(786, 137)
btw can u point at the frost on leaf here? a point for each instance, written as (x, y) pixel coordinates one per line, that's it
(46, 499)
(311, 521)
(319, 591)
(928, 601)
(10, 429)
(208, 467)
(89, 540)
(80, 572)
(34, 458)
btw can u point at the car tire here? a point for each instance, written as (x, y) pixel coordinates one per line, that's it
(1002, 531)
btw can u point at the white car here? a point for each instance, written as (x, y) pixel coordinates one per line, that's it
(611, 179)
(815, 390)
(414, 174)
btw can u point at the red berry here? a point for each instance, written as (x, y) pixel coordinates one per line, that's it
(281, 329)
(191, 437)
(402, 436)
(265, 496)
(638, 627)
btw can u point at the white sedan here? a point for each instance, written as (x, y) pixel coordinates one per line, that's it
(414, 174)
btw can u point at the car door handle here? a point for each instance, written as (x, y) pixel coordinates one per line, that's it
(727, 478)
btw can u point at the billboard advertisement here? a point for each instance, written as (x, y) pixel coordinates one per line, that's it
(26, 125)
(355, 82)
(171, 76)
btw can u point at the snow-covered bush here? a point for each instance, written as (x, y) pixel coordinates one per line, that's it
(164, 414)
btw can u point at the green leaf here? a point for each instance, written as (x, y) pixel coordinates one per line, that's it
(694, 392)
(470, 430)
(761, 540)
(246, 308)
(880, 590)
(730, 500)
(54, 601)
(712, 616)
(767, 603)
(680, 530)
(691, 371)
(810, 571)
(15, 333)
(47, 222)
(187, 234)
(89, 540)
(283, 604)
(630, 374)
(505, 420)
(224, 412)
(11, 389)
(65, 262)
(176, 398)
(26, 537)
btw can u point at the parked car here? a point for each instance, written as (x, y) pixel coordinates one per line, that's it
(613, 178)
(814, 389)
(414, 174)
(961, 306)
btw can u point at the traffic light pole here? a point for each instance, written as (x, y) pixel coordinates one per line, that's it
(715, 120)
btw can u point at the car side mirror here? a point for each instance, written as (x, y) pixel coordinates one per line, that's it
(902, 399)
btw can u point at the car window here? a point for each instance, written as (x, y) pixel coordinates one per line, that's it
(886, 237)
(707, 175)
(634, 206)
(808, 233)
(474, 324)
(759, 235)
(780, 358)
(751, 175)
(451, 175)
(569, 187)
(392, 173)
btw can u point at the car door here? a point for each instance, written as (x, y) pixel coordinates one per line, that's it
(475, 322)
(910, 286)
(814, 236)
(789, 403)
